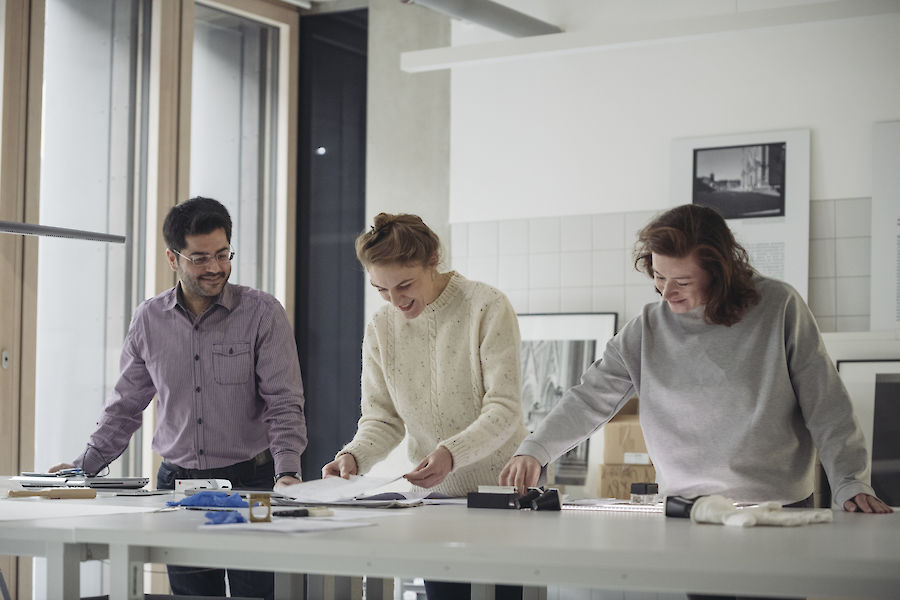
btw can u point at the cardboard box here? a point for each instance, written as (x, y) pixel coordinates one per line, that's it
(630, 408)
(616, 480)
(623, 442)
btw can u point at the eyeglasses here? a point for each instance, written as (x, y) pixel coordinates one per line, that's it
(222, 258)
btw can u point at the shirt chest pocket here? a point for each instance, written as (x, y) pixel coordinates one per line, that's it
(232, 363)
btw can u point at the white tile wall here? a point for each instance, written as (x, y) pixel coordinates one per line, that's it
(576, 269)
(574, 300)
(543, 235)
(853, 218)
(513, 237)
(821, 219)
(852, 256)
(584, 262)
(609, 232)
(821, 258)
(543, 270)
(852, 296)
(576, 233)
(514, 272)
(822, 296)
(483, 239)
(459, 240)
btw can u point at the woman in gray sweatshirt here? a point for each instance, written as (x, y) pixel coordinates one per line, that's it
(737, 391)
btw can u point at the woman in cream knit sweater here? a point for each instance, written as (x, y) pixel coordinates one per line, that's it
(440, 363)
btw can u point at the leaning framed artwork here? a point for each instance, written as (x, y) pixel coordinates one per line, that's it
(760, 183)
(874, 387)
(556, 350)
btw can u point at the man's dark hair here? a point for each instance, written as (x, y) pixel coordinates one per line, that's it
(196, 216)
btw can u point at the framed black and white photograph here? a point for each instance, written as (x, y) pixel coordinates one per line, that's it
(741, 182)
(760, 183)
(556, 350)
(874, 387)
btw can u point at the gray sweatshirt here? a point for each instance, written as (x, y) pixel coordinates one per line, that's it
(738, 411)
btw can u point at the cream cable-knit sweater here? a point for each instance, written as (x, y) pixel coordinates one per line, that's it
(451, 376)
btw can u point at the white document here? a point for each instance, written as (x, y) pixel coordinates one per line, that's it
(335, 489)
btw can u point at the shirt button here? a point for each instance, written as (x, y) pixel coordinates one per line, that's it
(196, 357)
(197, 389)
(199, 421)
(201, 451)
(196, 328)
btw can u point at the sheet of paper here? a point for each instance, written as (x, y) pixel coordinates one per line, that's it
(335, 489)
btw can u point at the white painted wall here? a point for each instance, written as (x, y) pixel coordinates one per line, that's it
(407, 138)
(590, 133)
(407, 129)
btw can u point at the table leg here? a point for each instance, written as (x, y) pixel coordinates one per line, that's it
(333, 587)
(534, 593)
(127, 572)
(290, 586)
(64, 571)
(482, 591)
(379, 589)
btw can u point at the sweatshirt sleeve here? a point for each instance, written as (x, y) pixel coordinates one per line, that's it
(605, 388)
(498, 347)
(825, 404)
(380, 428)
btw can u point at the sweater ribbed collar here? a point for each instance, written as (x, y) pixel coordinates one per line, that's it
(450, 293)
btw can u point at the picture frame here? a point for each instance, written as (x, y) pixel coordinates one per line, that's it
(760, 183)
(556, 350)
(874, 388)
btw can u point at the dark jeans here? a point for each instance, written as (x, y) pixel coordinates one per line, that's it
(452, 590)
(254, 474)
(807, 503)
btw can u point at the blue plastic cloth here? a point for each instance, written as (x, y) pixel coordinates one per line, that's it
(218, 517)
(217, 499)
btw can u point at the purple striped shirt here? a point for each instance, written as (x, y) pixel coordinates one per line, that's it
(228, 384)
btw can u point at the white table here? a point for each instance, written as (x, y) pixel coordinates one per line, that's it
(857, 555)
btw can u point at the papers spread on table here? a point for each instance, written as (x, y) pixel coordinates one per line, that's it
(353, 491)
(613, 505)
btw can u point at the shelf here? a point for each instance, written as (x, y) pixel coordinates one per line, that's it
(623, 35)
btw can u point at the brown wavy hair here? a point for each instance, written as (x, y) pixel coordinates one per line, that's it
(400, 238)
(699, 230)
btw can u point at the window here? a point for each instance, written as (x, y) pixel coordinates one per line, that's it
(236, 130)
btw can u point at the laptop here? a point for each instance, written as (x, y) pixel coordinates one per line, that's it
(100, 483)
(113, 483)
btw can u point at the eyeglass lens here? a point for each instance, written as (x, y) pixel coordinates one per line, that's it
(223, 257)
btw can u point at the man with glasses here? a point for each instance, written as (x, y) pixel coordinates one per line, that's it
(223, 362)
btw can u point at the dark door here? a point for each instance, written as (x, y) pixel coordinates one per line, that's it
(330, 214)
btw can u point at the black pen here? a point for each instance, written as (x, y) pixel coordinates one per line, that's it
(316, 511)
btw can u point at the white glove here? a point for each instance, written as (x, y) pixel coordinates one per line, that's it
(718, 509)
